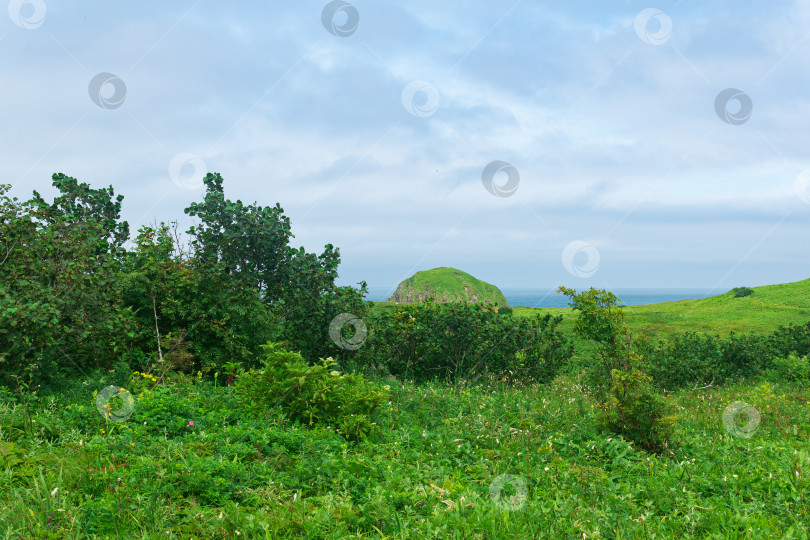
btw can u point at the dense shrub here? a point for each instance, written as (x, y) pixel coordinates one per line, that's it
(630, 405)
(247, 246)
(686, 359)
(692, 359)
(740, 292)
(59, 293)
(213, 314)
(311, 393)
(790, 368)
(72, 298)
(636, 411)
(458, 340)
(790, 339)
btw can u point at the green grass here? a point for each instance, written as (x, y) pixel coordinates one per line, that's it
(450, 285)
(765, 310)
(428, 472)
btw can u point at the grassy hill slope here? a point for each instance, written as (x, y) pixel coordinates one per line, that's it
(769, 307)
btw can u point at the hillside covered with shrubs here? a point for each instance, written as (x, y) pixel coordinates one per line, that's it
(228, 387)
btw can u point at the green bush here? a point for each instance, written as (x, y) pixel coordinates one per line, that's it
(311, 394)
(635, 411)
(739, 292)
(457, 340)
(692, 359)
(59, 292)
(790, 339)
(791, 368)
(246, 248)
(629, 403)
(212, 314)
(600, 320)
(687, 359)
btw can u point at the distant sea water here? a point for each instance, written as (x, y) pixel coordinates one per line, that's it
(551, 299)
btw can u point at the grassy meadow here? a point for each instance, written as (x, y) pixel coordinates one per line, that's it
(487, 461)
(484, 460)
(766, 309)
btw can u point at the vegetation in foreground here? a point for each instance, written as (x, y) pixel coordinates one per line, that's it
(486, 461)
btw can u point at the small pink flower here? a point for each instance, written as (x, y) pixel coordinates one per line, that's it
(190, 423)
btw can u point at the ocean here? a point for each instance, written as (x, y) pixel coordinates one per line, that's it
(550, 298)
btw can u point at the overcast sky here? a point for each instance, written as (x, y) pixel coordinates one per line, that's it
(632, 145)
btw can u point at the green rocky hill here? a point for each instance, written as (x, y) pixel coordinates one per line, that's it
(447, 285)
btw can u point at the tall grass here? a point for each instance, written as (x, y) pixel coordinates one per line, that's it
(486, 461)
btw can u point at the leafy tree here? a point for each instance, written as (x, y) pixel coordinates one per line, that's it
(248, 241)
(629, 403)
(214, 314)
(59, 296)
(251, 243)
(79, 204)
(601, 320)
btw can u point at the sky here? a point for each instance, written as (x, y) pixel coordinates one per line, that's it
(613, 144)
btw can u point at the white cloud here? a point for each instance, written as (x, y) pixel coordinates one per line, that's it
(616, 141)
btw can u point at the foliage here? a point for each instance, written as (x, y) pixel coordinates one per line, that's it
(740, 292)
(629, 402)
(59, 296)
(635, 411)
(600, 320)
(71, 298)
(191, 316)
(428, 472)
(463, 341)
(696, 360)
(311, 393)
(791, 368)
(685, 360)
(247, 241)
(789, 339)
(249, 245)
(311, 303)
